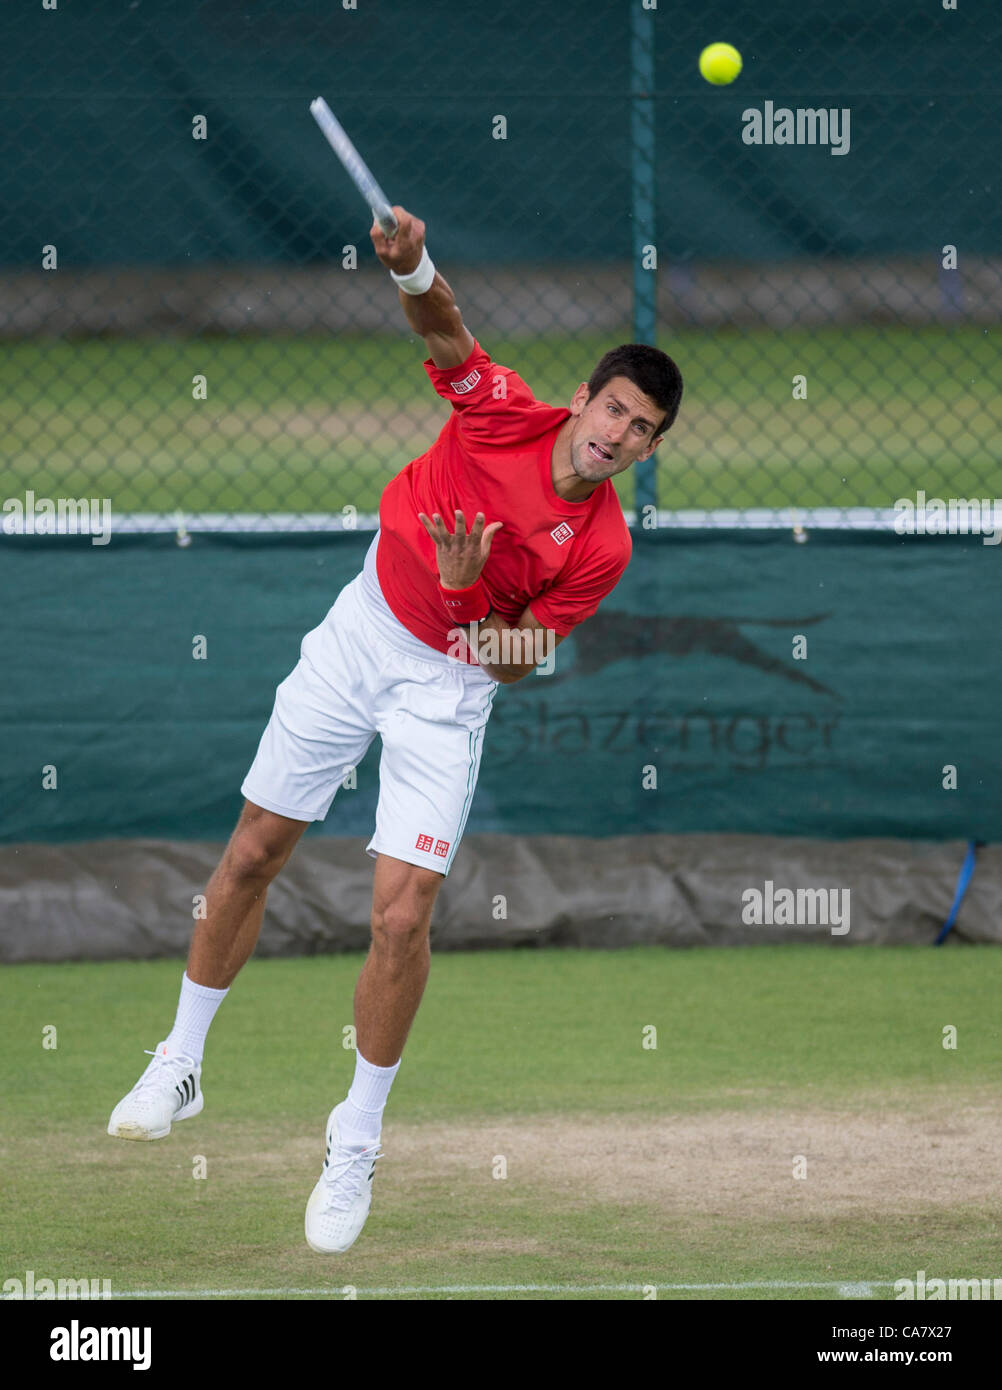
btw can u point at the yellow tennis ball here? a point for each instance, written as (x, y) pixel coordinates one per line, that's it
(720, 63)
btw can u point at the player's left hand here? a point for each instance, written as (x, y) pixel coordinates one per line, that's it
(461, 555)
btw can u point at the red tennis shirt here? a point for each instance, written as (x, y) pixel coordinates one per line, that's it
(493, 455)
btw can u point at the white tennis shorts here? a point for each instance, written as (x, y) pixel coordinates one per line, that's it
(361, 673)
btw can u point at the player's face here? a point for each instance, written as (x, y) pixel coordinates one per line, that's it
(613, 429)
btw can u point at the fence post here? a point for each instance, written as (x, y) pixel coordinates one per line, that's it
(642, 178)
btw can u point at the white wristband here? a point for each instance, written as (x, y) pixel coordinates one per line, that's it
(418, 281)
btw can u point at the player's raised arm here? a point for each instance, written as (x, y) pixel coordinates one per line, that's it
(426, 298)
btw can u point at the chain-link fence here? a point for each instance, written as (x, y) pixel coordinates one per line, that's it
(193, 323)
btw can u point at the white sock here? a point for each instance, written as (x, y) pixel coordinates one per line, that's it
(195, 1011)
(361, 1116)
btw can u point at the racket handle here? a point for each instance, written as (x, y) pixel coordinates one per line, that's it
(387, 221)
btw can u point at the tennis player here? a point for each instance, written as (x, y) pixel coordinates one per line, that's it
(491, 548)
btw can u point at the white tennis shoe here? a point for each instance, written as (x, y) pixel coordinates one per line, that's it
(339, 1204)
(169, 1089)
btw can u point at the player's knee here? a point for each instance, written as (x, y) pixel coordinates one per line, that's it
(255, 856)
(399, 927)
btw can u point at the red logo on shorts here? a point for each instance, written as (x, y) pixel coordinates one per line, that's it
(424, 842)
(442, 848)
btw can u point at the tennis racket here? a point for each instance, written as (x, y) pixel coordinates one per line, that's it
(355, 166)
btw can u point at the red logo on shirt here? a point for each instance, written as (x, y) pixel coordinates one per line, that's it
(442, 848)
(467, 383)
(424, 842)
(561, 533)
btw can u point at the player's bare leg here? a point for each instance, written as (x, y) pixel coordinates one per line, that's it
(223, 941)
(387, 996)
(170, 1088)
(393, 978)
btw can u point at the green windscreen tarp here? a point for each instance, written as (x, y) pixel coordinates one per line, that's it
(180, 133)
(682, 706)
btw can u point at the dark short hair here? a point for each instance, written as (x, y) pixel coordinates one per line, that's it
(651, 371)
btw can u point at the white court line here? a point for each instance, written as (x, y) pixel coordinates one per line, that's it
(842, 1288)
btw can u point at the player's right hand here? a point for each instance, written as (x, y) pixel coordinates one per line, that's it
(402, 254)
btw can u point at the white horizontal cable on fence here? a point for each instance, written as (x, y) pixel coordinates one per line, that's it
(751, 519)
